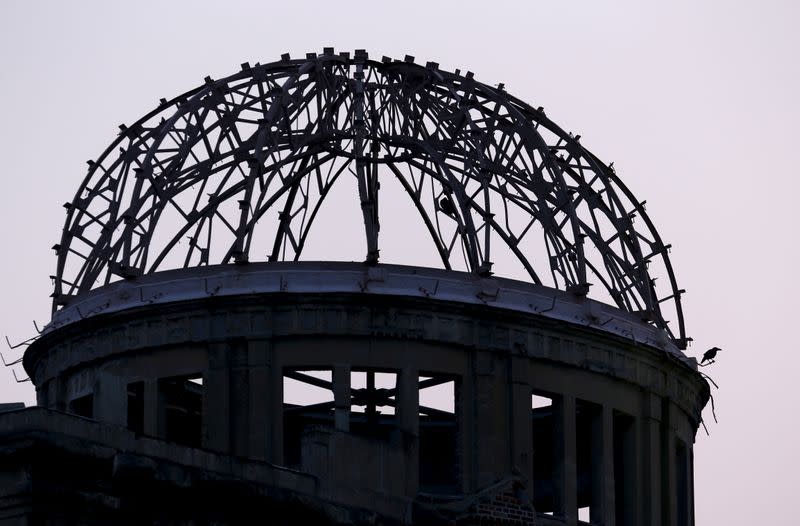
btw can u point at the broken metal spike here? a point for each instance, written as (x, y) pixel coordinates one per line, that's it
(9, 364)
(20, 344)
(28, 379)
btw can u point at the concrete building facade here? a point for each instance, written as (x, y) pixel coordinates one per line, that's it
(294, 392)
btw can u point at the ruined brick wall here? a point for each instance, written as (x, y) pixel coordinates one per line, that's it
(502, 509)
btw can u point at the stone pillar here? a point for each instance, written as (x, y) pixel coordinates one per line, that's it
(274, 408)
(258, 404)
(110, 399)
(341, 397)
(669, 466)
(603, 508)
(56, 394)
(521, 432)
(491, 414)
(690, 467)
(651, 459)
(682, 467)
(153, 402)
(408, 419)
(465, 413)
(239, 401)
(565, 477)
(43, 391)
(669, 480)
(628, 449)
(216, 404)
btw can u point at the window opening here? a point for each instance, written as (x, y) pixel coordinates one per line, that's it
(439, 451)
(136, 407)
(624, 469)
(83, 406)
(544, 452)
(588, 443)
(182, 397)
(307, 402)
(373, 401)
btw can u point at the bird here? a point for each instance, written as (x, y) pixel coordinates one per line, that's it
(446, 206)
(710, 354)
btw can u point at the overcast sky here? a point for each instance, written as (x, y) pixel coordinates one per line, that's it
(695, 102)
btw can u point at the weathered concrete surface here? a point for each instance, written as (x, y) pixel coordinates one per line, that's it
(61, 469)
(616, 436)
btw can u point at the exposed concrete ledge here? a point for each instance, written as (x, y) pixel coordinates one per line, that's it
(334, 277)
(261, 302)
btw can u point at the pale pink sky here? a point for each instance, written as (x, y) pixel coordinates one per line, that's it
(695, 102)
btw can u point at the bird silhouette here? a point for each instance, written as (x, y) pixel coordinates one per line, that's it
(710, 354)
(446, 206)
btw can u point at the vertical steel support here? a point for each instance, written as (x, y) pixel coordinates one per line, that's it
(367, 182)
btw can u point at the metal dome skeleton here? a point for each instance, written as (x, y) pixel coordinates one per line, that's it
(484, 170)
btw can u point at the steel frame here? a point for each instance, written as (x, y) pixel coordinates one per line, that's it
(485, 171)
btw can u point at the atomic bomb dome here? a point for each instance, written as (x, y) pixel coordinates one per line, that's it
(533, 371)
(236, 171)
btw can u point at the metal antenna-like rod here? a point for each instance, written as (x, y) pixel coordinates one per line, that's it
(20, 344)
(9, 363)
(28, 379)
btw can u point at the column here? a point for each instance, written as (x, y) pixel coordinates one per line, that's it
(602, 507)
(341, 397)
(153, 409)
(565, 477)
(521, 433)
(274, 407)
(239, 401)
(669, 473)
(651, 459)
(110, 399)
(408, 419)
(491, 419)
(626, 472)
(690, 467)
(216, 404)
(258, 403)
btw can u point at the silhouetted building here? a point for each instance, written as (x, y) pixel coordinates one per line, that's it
(197, 371)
